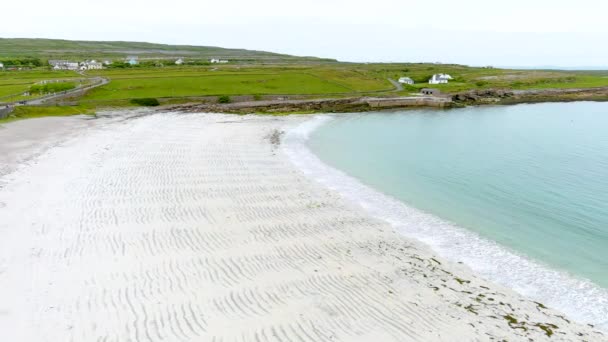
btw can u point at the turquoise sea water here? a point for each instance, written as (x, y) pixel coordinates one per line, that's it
(532, 178)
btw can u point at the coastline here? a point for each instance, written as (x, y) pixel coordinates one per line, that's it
(578, 297)
(200, 227)
(478, 97)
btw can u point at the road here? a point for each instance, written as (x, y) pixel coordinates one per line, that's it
(398, 86)
(98, 82)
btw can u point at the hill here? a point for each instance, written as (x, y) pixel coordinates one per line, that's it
(58, 49)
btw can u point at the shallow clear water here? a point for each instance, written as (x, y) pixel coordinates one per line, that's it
(533, 178)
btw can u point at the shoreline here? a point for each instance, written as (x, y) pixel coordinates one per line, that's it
(296, 104)
(578, 297)
(200, 227)
(365, 104)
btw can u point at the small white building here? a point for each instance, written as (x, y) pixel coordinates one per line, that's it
(179, 61)
(1, 65)
(406, 80)
(440, 79)
(217, 60)
(107, 62)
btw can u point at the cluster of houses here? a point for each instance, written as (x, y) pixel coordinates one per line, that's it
(93, 65)
(435, 79)
(71, 65)
(59, 64)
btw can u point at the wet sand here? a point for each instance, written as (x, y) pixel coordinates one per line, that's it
(197, 227)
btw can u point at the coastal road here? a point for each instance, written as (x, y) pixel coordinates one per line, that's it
(98, 82)
(398, 86)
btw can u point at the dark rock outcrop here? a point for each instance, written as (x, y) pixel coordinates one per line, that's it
(355, 104)
(504, 96)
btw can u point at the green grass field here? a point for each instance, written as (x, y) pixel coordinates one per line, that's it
(200, 85)
(251, 73)
(188, 83)
(15, 83)
(191, 82)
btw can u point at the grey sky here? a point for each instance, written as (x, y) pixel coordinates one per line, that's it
(477, 32)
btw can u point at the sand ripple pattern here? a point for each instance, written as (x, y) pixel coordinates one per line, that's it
(196, 228)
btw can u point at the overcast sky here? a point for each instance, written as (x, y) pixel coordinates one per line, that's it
(475, 32)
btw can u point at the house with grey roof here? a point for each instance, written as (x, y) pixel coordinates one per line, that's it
(406, 80)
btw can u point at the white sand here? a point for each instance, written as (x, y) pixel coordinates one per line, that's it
(22, 141)
(198, 228)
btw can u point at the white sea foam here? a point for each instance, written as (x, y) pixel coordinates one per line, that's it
(578, 298)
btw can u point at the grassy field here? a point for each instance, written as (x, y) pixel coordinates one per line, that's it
(299, 79)
(15, 83)
(188, 82)
(467, 78)
(250, 73)
(179, 84)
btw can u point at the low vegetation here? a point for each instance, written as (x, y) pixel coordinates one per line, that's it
(51, 87)
(224, 99)
(28, 62)
(30, 112)
(148, 102)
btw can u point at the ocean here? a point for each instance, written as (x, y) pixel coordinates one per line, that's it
(518, 193)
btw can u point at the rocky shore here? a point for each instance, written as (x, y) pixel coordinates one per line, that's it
(363, 104)
(352, 104)
(505, 96)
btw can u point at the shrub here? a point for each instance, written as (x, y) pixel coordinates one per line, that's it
(224, 99)
(257, 97)
(148, 101)
(481, 83)
(26, 61)
(51, 87)
(422, 79)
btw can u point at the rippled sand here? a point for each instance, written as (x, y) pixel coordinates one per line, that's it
(197, 227)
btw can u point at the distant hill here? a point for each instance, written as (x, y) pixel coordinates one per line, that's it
(57, 49)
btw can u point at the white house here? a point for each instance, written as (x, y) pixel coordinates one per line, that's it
(406, 80)
(217, 60)
(63, 65)
(440, 79)
(90, 65)
(179, 62)
(94, 65)
(1, 65)
(107, 62)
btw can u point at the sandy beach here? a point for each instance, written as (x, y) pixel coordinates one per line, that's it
(198, 227)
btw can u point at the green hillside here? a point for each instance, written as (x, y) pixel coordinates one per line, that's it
(58, 49)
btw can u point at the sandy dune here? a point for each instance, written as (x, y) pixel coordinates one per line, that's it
(198, 228)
